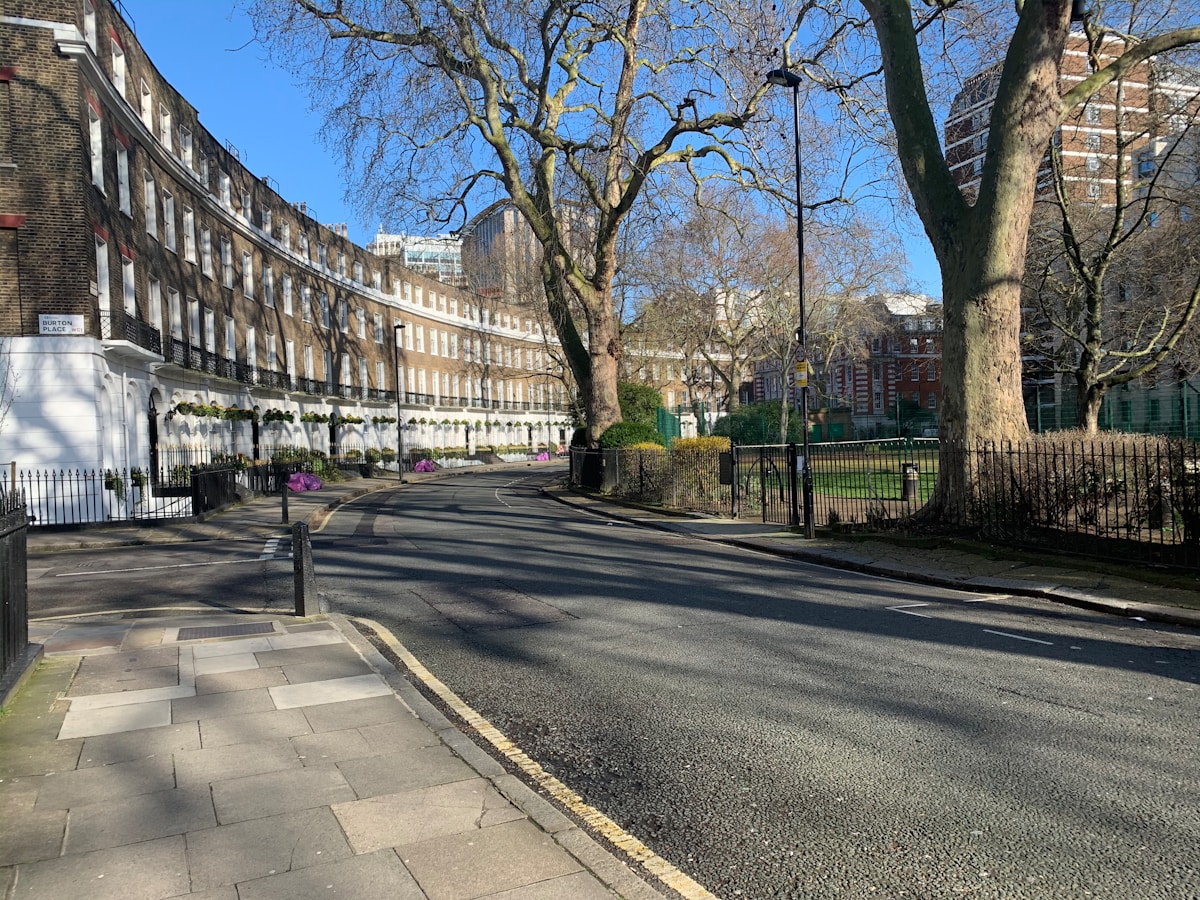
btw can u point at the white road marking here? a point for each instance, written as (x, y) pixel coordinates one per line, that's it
(1017, 637)
(906, 608)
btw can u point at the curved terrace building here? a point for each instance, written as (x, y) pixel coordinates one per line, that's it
(142, 266)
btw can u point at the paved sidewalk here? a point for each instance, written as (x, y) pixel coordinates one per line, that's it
(247, 758)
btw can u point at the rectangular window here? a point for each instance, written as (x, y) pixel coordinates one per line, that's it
(287, 295)
(251, 347)
(322, 255)
(248, 274)
(362, 375)
(285, 234)
(341, 263)
(266, 220)
(173, 312)
(358, 273)
(150, 204)
(97, 148)
(118, 66)
(204, 175)
(185, 146)
(189, 234)
(206, 262)
(933, 401)
(445, 343)
(127, 285)
(309, 371)
(380, 371)
(345, 369)
(408, 336)
(225, 188)
(1091, 114)
(378, 323)
(226, 263)
(246, 206)
(1092, 141)
(324, 300)
(155, 304)
(421, 341)
(123, 200)
(360, 316)
(230, 339)
(146, 103)
(210, 331)
(168, 221)
(377, 281)
(305, 303)
(433, 342)
(327, 369)
(89, 23)
(193, 307)
(289, 358)
(272, 353)
(931, 371)
(268, 287)
(304, 245)
(454, 346)
(166, 131)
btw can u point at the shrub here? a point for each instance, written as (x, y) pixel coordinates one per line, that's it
(645, 445)
(625, 434)
(639, 402)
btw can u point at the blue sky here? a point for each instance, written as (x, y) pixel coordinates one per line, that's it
(202, 47)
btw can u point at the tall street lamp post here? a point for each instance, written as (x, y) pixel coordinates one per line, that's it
(787, 78)
(397, 328)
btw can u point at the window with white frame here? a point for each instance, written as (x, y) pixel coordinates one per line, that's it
(421, 341)
(246, 206)
(166, 128)
(226, 263)
(444, 342)
(174, 314)
(268, 286)
(96, 143)
(89, 24)
(118, 65)
(324, 300)
(193, 308)
(128, 283)
(210, 330)
(303, 242)
(327, 368)
(248, 274)
(204, 173)
(1091, 113)
(189, 234)
(360, 316)
(287, 295)
(225, 190)
(345, 370)
(358, 273)
(433, 342)
(146, 106)
(185, 146)
(378, 324)
(418, 296)
(408, 336)
(266, 220)
(150, 203)
(206, 261)
(377, 281)
(343, 314)
(289, 358)
(454, 346)
(931, 371)
(155, 304)
(123, 200)
(933, 401)
(230, 339)
(285, 234)
(341, 263)
(362, 375)
(168, 221)
(251, 347)
(322, 255)
(309, 371)
(380, 370)
(272, 354)
(305, 303)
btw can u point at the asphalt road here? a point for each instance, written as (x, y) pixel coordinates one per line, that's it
(253, 575)
(782, 730)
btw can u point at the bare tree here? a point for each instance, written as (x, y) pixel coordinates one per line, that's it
(435, 100)
(981, 245)
(1116, 281)
(8, 382)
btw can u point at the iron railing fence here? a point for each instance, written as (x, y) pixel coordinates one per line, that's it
(1118, 495)
(872, 483)
(14, 603)
(1136, 497)
(68, 497)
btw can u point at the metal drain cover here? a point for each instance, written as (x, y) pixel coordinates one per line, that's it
(216, 631)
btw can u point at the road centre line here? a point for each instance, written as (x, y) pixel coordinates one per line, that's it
(1018, 637)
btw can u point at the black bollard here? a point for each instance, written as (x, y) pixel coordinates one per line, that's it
(305, 577)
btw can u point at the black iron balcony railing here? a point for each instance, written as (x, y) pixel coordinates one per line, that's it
(120, 326)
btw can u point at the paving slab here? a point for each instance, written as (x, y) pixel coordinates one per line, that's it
(356, 713)
(373, 776)
(253, 728)
(40, 835)
(270, 793)
(410, 817)
(152, 870)
(237, 680)
(219, 706)
(132, 820)
(257, 848)
(364, 877)
(111, 720)
(63, 790)
(202, 767)
(334, 690)
(487, 861)
(106, 749)
(579, 886)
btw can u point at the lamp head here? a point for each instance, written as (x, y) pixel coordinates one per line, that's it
(784, 78)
